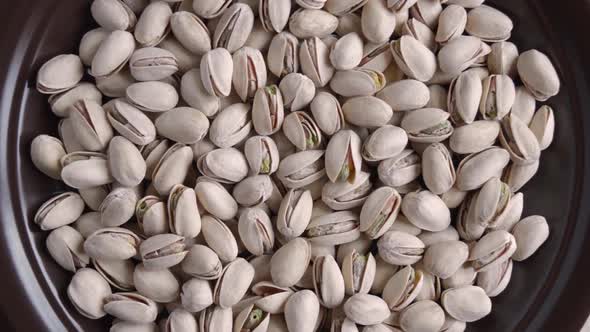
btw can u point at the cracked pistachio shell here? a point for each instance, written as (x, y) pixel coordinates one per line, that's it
(405, 95)
(283, 54)
(343, 7)
(301, 130)
(90, 125)
(377, 21)
(194, 93)
(231, 126)
(252, 318)
(256, 231)
(306, 23)
(216, 72)
(530, 234)
(346, 195)
(524, 105)
(367, 112)
(447, 234)
(461, 53)
(427, 125)
(538, 74)
(153, 24)
(451, 23)
(126, 164)
(302, 311)
(301, 168)
(249, 72)
(443, 259)
(492, 249)
(479, 167)
(60, 74)
(172, 168)
(413, 58)
(334, 228)
(202, 262)
(210, 8)
(489, 24)
(130, 122)
(118, 273)
(61, 103)
(46, 154)
(365, 309)
(153, 96)
(118, 207)
(503, 58)
(294, 213)
(262, 155)
(297, 91)
(347, 52)
(426, 211)
(492, 203)
(377, 57)
(511, 214)
(467, 303)
(216, 200)
(400, 169)
(422, 316)
(380, 211)
(191, 32)
(543, 126)
(65, 245)
(495, 280)
(431, 286)
(268, 110)
(272, 298)
(220, 238)
(158, 285)
(234, 27)
(467, 226)
(90, 43)
(343, 156)
(196, 295)
(421, 32)
(465, 93)
(516, 176)
(519, 140)
(289, 263)
(183, 124)
(152, 64)
(274, 14)
(497, 97)
(112, 54)
(183, 213)
(180, 320)
(233, 283)
(132, 307)
(83, 170)
(112, 243)
(400, 248)
(152, 153)
(438, 170)
(385, 142)
(474, 137)
(328, 281)
(113, 15)
(115, 85)
(226, 165)
(358, 271)
(314, 57)
(427, 12)
(216, 318)
(357, 82)
(151, 216)
(162, 251)
(87, 291)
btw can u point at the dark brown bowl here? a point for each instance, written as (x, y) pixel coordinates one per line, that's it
(548, 292)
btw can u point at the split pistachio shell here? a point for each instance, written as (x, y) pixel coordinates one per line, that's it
(467, 303)
(343, 7)
(467, 226)
(413, 58)
(489, 24)
(283, 53)
(65, 245)
(61, 102)
(431, 286)
(503, 58)
(249, 72)
(438, 170)
(400, 248)
(347, 195)
(451, 23)
(495, 280)
(400, 169)
(461, 53)
(118, 273)
(112, 243)
(376, 57)
(233, 27)
(465, 94)
(530, 233)
(268, 110)
(256, 231)
(183, 124)
(297, 90)
(492, 203)
(443, 259)
(87, 291)
(306, 23)
(367, 112)
(377, 21)
(154, 96)
(274, 14)
(153, 24)
(420, 31)
(543, 126)
(301, 130)
(112, 54)
(59, 210)
(152, 64)
(497, 97)
(427, 125)
(231, 126)
(219, 238)
(538, 74)
(385, 142)
(519, 140)
(224, 165)
(379, 211)
(191, 32)
(427, 12)
(196, 295)
(90, 125)
(118, 207)
(216, 72)
(210, 8)
(151, 216)
(202, 262)
(216, 200)
(59, 74)
(315, 61)
(273, 298)
(183, 212)
(422, 316)
(233, 283)
(125, 162)
(262, 155)
(252, 318)
(172, 168)
(83, 170)
(359, 272)
(477, 168)
(302, 311)
(474, 137)
(357, 82)
(516, 176)
(334, 228)
(90, 43)
(46, 154)
(194, 93)
(294, 213)
(131, 123)
(343, 156)
(426, 210)
(158, 285)
(405, 95)
(365, 309)
(347, 52)
(302, 168)
(162, 251)
(215, 318)
(152, 153)
(492, 249)
(253, 190)
(328, 281)
(132, 307)
(524, 105)
(290, 262)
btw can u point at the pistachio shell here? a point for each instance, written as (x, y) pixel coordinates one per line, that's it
(538, 74)
(489, 24)
(289, 263)
(233, 283)
(152, 25)
(530, 233)
(413, 58)
(426, 210)
(366, 309)
(87, 291)
(219, 238)
(152, 96)
(60, 74)
(306, 23)
(467, 303)
(191, 32)
(112, 54)
(379, 211)
(233, 27)
(357, 82)
(400, 248)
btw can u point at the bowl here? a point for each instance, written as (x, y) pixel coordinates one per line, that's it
(548, 292)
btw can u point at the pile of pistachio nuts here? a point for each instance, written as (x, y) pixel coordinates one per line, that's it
(308, 165)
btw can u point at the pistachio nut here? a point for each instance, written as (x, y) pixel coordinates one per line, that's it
(209, 9)
(421, 32)
(383, 272)
(113, 15)
(503, 58)
(183, 212)
(162, 251)
(262, 155)
(219, 238)
(465, 276)
(116, 84)
(112, 243)
(216, 72)
(314, 57)
(90, 125)
(461, 53)
(151, 216)
(252, 318)
(83, 170)
(118, 273)
(302, 131)
(357, 82)
(196, 295)
(347, 52)
(158, 285)
(358, 271)
(294, 213)
(492, 203)
(216, 318)
(377, 21)
(426, 211)
(289, 263)
(61, 103)
(233, 283)
(366, 309)
(183, 124)
(474, 137)
(405, 95)
(268, 110)
(380, 211)
(202, 147)
(130, 122)
(451, 23)
(224, 165)
(256, 231)
(112, 54)
(347, 195)
(466, 303)
(152, 153)
(302, 311)
(530, 233)
(89, 44)
(297, 91)
(153, 96)
(118, 207)
(132, 307)
(492, 249)
(233, 28)
(427, 125)
(438, 170)
(216, 200)
(543, 126)
(202, 262)
(538, 74)
(367, 112)
(65, 245)
(343, 7)
(172, 168)
(152, 64)
(87, 291)
(431, 285)
(423, 315)
(253, 190)
(465, 94)
(511, 214)
(516, 175)
(46, 154)
(231, 126)
(427, 12)
(479, 167)
(193, 92)
(519, 140)
(249, 72)
(443, 259)
(153, 24)
(334, 228)
(385, 142)
(497, 97)
(273, 298)
(400, 5)
(489, 24)
(447, 234)
(191, 32)
(60, 74)
(307, 23)
(283, 53)
(467, 226)
(495, 280)
(88, 223)
(328, 281)
(401, 169)
(400, 248)
(125, 162)
(343, 156)
(413, 58)
(453, 197)
(180, 320)
(274, 14)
